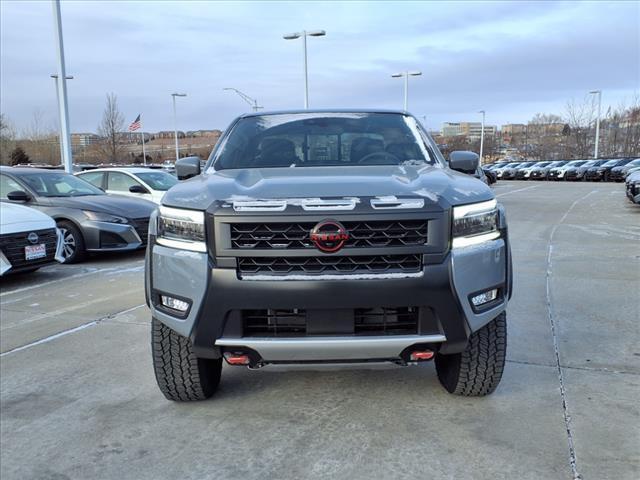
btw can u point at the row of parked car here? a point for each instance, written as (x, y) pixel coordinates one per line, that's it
(616, 169)
(50, 215)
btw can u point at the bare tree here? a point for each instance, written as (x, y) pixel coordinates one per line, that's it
(579, 117)
(7, 140)
(110, 129)
(40, 141)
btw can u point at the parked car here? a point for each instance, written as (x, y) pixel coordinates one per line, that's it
(29, 239)
(491, 175)
(577, 173)
(559, 173)
(149, 184)
(509, 173)
(525, 173)
(376, 251)
(500, 170)
(90, 220)
(619, 173)
(633, 187)
(493, 166)
(541, 172)
(601, 172)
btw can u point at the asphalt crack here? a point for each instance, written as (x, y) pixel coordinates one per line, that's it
(563, 394)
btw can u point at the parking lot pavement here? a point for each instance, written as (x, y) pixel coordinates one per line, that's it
(83, 402)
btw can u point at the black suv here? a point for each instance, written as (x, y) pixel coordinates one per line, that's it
(324, 237)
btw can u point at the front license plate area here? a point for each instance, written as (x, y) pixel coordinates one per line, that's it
(33, 252)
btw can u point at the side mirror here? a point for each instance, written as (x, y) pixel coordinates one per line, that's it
(187, 167)
(465, 162)
(18, 196)
(138, 189)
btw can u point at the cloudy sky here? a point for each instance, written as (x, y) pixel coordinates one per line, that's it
(511, 59)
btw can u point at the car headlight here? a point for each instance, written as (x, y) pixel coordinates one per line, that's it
(475, 223)
(104, 217)
(184, 229)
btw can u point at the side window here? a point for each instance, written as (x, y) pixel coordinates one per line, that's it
(120, 182)
(95, 178)
(7, 185)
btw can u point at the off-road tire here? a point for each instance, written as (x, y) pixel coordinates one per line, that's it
(478, 369)
(181, 376)
(69, 230)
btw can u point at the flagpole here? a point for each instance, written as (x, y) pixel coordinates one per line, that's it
(144, 155)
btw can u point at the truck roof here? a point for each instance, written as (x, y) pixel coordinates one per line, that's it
(325, 110)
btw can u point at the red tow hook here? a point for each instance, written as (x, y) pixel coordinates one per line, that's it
(237, 359)
(421, 356)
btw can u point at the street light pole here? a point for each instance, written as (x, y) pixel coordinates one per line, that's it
(482, 136)
(63, 109)
(406, 76)
(304, 34)
(55, 81)
(175, 121)
(599, 93)
(251, 101)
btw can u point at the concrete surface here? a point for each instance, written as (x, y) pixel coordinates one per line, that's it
(78, 399)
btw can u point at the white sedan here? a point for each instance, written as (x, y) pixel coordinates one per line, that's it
(148, 183)
(29, 239)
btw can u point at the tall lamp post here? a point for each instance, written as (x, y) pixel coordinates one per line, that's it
(251, 101)
(63, 109)
(175, 121)
(599, 93)
(482, 136)
(55, 81)
(304, 34)
(406, 76)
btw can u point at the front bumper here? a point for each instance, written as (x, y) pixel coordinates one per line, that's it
(633, 192)
(106, 236)
(217, 296)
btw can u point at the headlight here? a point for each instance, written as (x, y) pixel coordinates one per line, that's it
(475, 223)
(104, 217)
(184, 229)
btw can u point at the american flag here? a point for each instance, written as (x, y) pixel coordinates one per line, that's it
(135, 125)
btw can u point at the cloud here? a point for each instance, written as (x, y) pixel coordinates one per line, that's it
(512, 59)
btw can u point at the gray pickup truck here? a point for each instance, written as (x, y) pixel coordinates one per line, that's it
(328, 237)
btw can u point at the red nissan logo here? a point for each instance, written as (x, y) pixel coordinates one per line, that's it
(329, 236)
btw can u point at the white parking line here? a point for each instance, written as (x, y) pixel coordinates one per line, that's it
(67, 332)
(77, 275)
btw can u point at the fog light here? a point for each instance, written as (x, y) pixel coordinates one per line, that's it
(174, 303)
(485, 297)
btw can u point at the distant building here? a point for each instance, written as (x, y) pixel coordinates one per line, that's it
(471, 130)
(511, 131)
(84, 139)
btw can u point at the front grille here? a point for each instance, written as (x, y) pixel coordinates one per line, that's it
(359, 322)
(282, 236)
(141, 226)
(274, 323)
(386, 321)
(12, 245)
(330, 265)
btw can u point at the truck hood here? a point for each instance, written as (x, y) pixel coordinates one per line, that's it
(435, 184)
(114, 204)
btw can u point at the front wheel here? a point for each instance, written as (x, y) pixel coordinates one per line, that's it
(73, 250)
(476, 371)
(181, 376)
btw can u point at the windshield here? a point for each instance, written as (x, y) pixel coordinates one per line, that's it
(634, 163)
(610, 163)
(158, 180)
(575, 163)
(59, 184)
(323, 139)
(542, 164)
